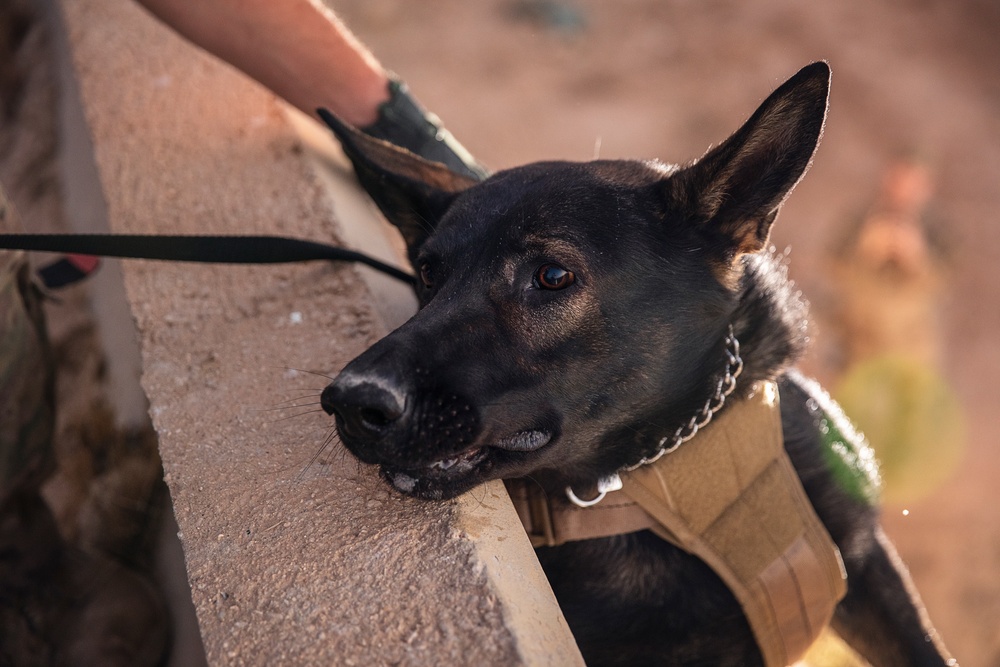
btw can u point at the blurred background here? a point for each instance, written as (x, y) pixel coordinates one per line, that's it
(893, 233)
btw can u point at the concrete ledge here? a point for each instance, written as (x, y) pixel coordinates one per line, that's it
(295, 553)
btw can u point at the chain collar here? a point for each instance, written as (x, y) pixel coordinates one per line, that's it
(686, 431)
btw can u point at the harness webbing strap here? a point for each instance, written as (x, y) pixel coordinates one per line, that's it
(732, 498)
(551, 521)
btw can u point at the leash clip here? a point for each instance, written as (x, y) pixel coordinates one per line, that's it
(605, 485)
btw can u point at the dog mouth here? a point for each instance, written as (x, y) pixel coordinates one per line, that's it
(450, 476)
(428, 481)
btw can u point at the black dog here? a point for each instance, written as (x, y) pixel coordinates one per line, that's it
(571, 316)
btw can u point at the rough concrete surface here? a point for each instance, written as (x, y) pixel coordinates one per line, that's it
(296, 554)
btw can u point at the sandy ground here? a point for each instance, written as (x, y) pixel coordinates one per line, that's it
(647, 78)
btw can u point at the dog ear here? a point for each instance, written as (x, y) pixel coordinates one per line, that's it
(412, 193)
(736, 189)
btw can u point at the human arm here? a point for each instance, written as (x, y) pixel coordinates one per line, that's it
(306, 55)
(297, 48)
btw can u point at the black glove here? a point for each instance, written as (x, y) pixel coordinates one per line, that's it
(403, 122)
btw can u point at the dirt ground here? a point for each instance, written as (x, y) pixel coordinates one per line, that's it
(519, 81)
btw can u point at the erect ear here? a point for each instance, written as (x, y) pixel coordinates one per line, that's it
(412, 193)
(735, 190)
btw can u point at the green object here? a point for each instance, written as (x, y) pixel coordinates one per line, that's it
(847, 454)
(912, 419)
(853, 464)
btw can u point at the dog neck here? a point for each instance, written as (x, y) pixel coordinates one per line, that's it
(766, 336)
(770, 319)
(725, 386)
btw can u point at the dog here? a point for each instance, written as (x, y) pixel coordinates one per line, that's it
(571, 315)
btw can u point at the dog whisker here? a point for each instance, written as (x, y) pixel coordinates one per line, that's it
(298, 414)
(331, 437)
(308, 390)
(304, 394)
(532, 479)
(481, 500)
(308, 372)
(424, 224)
(288, 406)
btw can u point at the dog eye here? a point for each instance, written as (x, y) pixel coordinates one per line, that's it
(552, 277)
(426, 275)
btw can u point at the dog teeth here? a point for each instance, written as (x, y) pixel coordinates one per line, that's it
(464, 461)
(435, 473)
(444, 465)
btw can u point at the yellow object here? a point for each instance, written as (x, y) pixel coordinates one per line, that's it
(831, 651)
(912, 419)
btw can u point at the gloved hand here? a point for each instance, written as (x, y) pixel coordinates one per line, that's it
(403, 122)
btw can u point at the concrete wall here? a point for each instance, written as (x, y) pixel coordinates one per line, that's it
(295, 553)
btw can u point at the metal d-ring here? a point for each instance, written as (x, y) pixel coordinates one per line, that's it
(605, 485)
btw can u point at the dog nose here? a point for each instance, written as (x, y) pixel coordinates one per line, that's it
(366, 406)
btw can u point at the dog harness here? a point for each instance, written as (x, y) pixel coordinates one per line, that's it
(734, 500)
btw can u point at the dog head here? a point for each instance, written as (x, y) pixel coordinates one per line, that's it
(570, 313)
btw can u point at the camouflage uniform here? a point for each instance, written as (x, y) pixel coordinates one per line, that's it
(27, 407)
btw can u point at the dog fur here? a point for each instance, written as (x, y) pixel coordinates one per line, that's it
(572, 314)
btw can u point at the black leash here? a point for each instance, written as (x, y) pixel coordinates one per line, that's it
(210, 249)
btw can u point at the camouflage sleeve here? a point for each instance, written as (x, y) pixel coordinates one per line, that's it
(27, 413)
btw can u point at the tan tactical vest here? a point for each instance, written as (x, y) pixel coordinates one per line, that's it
(732, 498)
